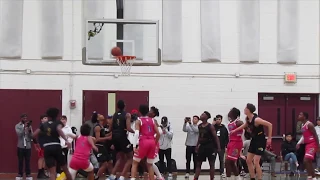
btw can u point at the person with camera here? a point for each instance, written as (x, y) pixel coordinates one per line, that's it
(165, 142)
(24, 133)
(191, 128)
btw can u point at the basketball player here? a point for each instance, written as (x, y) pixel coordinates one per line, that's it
(53, 154)
(255, 125)
(121, 123)
(235, 144)
(146, 129)
(81, 156)
(310, 139)
(154, 112)
(205, 145)
(101, 138)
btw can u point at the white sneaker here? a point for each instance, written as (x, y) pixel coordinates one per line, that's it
(29, 178)
(187, 175)
(223, 175)
(170, 176)
(19, 178)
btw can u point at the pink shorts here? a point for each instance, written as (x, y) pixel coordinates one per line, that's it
(78, 164)
(311, 149)
(233, 150)
(147, 148)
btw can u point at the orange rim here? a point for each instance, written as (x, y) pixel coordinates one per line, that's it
(125, 58)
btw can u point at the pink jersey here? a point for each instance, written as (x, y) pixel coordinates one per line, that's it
(147, 128)
(236, 136)
(307, 134)
(82, 149)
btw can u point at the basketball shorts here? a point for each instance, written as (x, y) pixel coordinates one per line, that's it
(102, 154)
(311, 149)
(147, 148)
(78, 164)
(233, 150)
(122, 144)
(206, 151)
(53, 154)
(257, 146)
(41, 153)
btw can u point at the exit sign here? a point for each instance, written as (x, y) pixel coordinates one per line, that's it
(290, 78)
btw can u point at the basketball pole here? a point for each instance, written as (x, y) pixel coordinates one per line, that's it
(120, 15)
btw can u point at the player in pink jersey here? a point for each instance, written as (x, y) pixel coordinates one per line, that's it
(146, 129)
(310, 139)
(81, 155)
(235, 143)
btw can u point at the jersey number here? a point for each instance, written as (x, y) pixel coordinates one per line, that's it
(118, 122)
(149, 128)
(48, 132)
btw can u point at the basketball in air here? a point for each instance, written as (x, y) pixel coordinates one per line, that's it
(116, 51)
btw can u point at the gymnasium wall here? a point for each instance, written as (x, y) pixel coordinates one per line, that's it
(178, 89)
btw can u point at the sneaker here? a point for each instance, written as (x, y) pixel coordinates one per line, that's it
(242, 173)
(160, 178)
(19, 177)
(170, 176)
(187, 176)
(291, 174)
(42, 176)
(29, 177)
(247, 175)
(317, 173)
(223, 175)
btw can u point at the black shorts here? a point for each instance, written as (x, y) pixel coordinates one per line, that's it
(257, 146)
(205, 152)
(53, 154)
(122, 145)
(102, 154)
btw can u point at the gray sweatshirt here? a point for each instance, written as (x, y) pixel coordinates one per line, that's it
(24, 136)
(192, 134)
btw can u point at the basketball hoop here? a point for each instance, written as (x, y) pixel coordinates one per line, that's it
(125, 63)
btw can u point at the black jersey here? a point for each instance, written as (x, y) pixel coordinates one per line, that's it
(205, 134)
(107, 144)
(102, 134)
(256, 131)
(50, 135)
(119, 124)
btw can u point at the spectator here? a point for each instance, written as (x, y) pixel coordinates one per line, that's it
(92, 123)
(165, 142)
(70, 136)
(317, 127)
(288, 149)
(24, 133)
(223, 134)
(191, 128)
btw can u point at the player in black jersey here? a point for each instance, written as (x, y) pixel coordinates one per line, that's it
(121, 123)
(208, 139)
(255, 126)
(102, 154)
(52, 149)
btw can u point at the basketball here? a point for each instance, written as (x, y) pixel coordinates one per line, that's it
(116, 51)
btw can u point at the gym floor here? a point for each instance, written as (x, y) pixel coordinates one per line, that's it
(266, 176)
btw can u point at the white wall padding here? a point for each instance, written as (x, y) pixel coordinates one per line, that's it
(287, 31)
(249, 30)
(133, 9)
(210, 30)
(52, 29)
(11, 22)
(94, 9)
(172, 30)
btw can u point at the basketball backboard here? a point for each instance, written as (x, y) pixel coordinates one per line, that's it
(138, 38)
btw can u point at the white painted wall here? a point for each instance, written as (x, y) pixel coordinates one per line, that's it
(178, 90)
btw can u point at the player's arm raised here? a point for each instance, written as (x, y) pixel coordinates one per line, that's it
(128, 123)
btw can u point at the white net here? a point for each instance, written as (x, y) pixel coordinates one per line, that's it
(125, 63)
